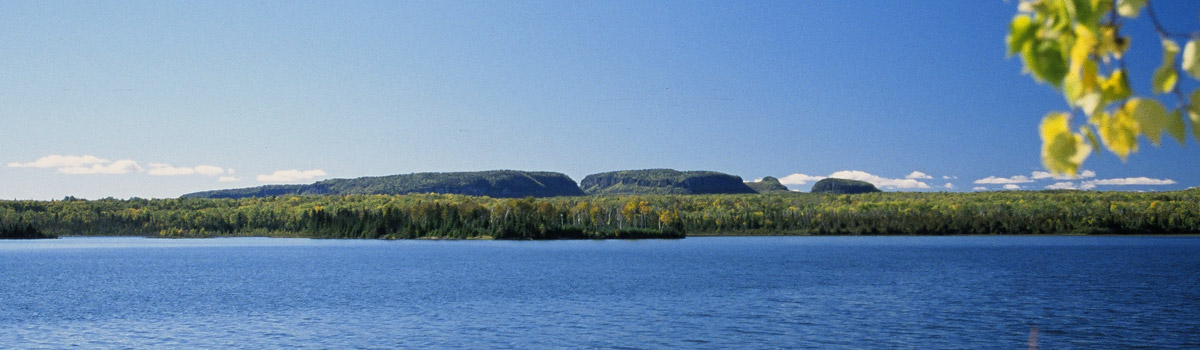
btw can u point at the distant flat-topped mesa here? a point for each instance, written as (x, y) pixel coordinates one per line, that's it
(843, 186)
(663, 181)
(496, 183)
(768, 184)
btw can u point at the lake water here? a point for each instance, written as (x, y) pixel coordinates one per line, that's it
(729, 292)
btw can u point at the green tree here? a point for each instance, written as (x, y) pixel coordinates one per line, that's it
(1077, 47)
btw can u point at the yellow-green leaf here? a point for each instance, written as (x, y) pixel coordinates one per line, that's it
(1083, 88)
(1062, 151)
(1130, 8)
(1116, 87)
(1090, 103)
(1170, 50)
(1194, 113)
(1164, 79)
(1118, 132)
(1022, 31)
(1111, 43)
(1166, 76)
(1195, 118)
(1091, 136)
(1191, 58)
(1175, 127)
(1151, 117)
(1085, 43)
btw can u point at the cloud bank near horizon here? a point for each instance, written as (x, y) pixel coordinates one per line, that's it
(81, 165)
(1064, 182)
(92, 165)
(292, 175)
(911, 181)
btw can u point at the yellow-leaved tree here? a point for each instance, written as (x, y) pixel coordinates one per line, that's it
(1077, 47)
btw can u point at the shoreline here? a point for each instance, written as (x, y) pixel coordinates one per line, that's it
(1164, 235)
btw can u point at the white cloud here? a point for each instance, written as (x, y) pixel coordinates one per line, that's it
(291, 175)
(1080, 184)
(59, 161)
(948, 186)
(917, 175)
(88, 165)
(1038, 175)
(979, 188)
(227, 179)
(123, 166)
(992, 180)
(881, 182)
(948, 177)
(798, 179)
(1133, 181)
(209, 170)
(878, 181)
(1128, 181)
(1063, 186)
(160, 169)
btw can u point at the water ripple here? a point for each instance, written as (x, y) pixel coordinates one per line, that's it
(712, 293)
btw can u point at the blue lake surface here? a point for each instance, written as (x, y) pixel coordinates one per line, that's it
(703, 292)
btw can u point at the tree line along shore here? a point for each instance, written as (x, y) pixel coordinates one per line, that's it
(454, 216)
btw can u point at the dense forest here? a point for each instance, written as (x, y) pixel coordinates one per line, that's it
(638, 216)
(21, 230)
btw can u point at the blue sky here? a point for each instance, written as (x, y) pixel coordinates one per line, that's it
(158, 98)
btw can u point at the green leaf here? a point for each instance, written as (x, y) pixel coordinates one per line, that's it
(1151, 117)
(1045, 60)
(1175, 127)
(1091, 136)
(1195, 118)
(1022, 31)
(1166, 76)
(1130, 8)
(1165, 79)
(1062, 151)
(1194, 113)
(1170, 50)
(1191, 58)
(1083, 10)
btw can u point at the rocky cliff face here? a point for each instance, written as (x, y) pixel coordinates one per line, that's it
(499, 184)
(767, 185)
(663, 181)
(843, 186)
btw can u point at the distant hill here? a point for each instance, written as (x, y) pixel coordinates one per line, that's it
(497, 183)
(843, 186)
(663, 181)
(767, 185)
